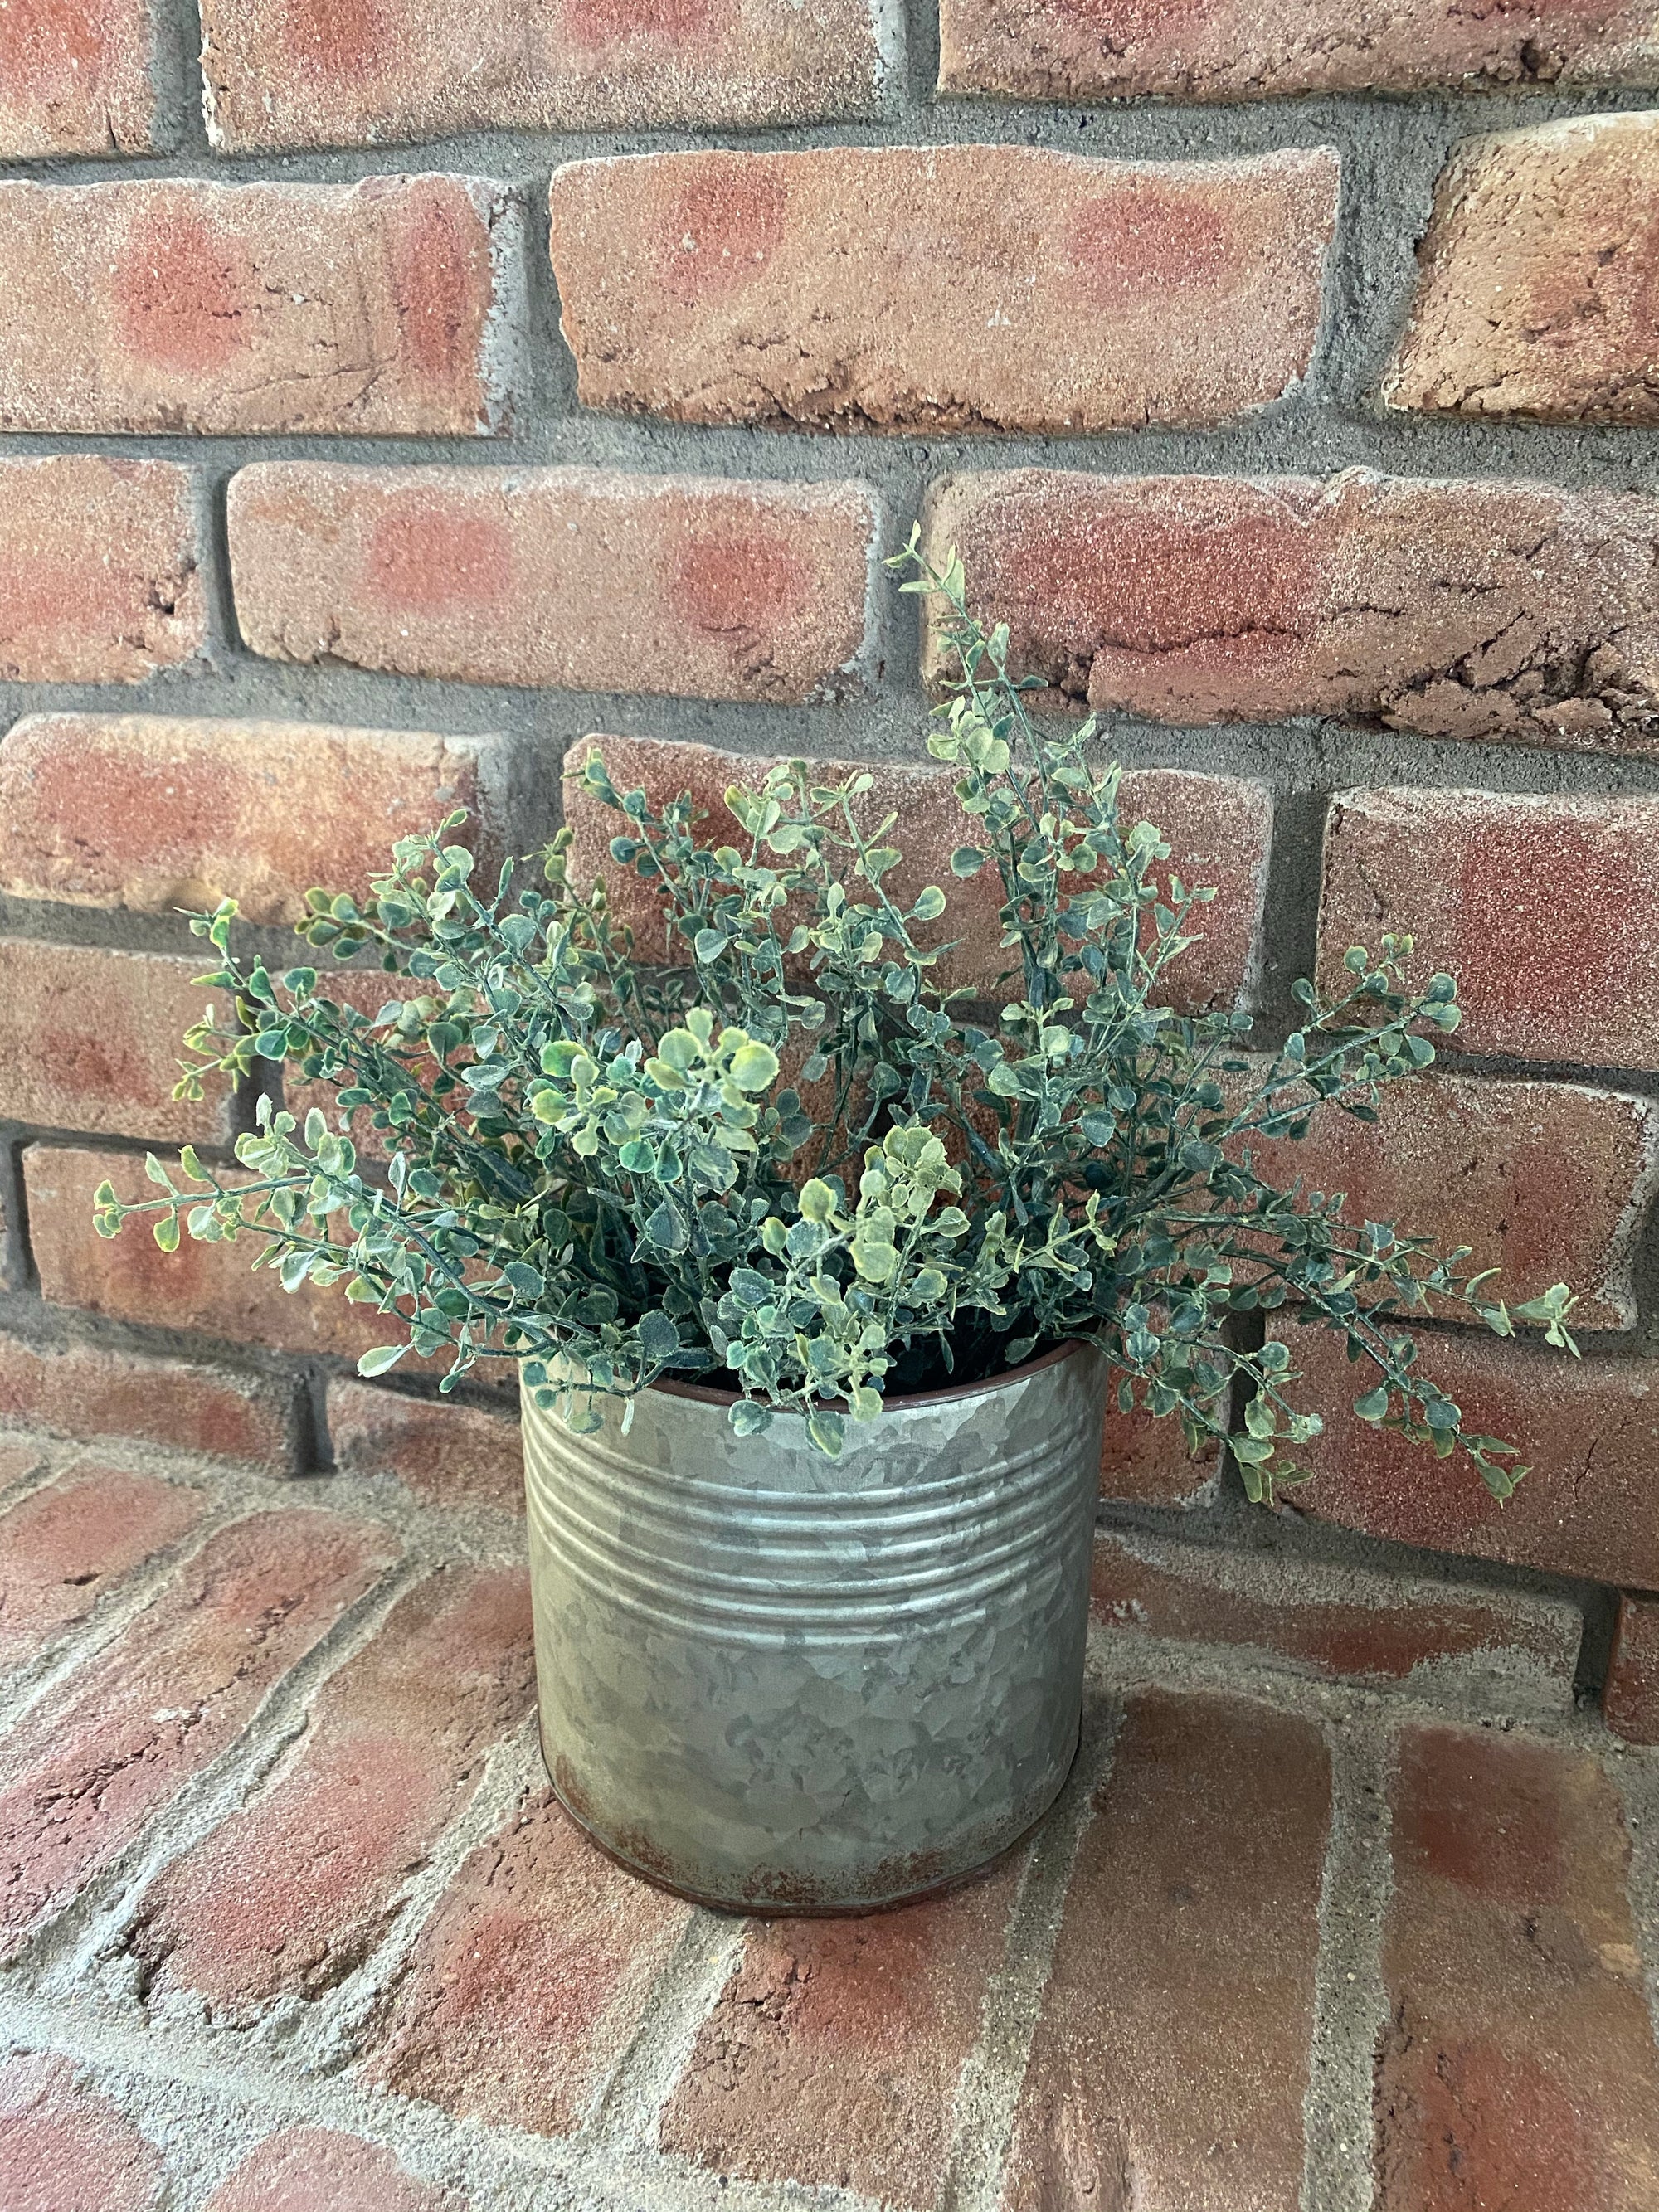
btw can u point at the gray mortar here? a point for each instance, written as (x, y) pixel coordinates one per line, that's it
(179, 2081)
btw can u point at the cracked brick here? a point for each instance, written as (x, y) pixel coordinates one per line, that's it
(1588, 1433)
(1517, 2065)
(75, 78)
(81, 1775)
(68, 1544)
(321, 73)
(568, 578)
(295, 1890)
(100, 570)
(1236, 50)
(1535, 278)
(1478, 611)
(951, 288)
(148, 813)
(387, 306)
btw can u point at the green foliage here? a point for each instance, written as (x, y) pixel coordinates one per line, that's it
(605, 1168)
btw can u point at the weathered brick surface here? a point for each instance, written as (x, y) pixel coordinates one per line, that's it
(530, 1979)
(92, 1390)
(99, 561)
(576, 578)
(387, 306)
(20, 1457)
(311, 75)
(156, 812)
(1228, 50)
(1518, 2065)
(75, 78)
(211, 1288)
(287, 1897)
(1536, 275)
(1548, 1182)
(953, 288)
(1219, 828)
(834, 2053)
(92, 1039)
(1482, 611)
(64, 2148)
(1170, 2057)
(447, 1455)
(1348, 1622)
(81, 1775)
(1630, 1698)
(1588, 1431)
(1146, 1462)
(1545, 909)
(308, 2169)
(63, 1546)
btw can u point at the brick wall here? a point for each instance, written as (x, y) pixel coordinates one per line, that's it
(395, 396)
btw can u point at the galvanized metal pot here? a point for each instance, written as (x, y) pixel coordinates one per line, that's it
(770, 1678)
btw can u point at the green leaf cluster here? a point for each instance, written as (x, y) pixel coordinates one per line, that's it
(792, 1160)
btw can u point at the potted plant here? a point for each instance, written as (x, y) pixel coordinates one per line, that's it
(818, 1273)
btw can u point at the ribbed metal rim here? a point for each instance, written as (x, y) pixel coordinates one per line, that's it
(707, 1394)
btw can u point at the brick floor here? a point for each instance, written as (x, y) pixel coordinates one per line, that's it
(1350, 1903)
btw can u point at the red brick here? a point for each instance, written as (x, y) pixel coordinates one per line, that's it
(1589, 1430)
(312, 75)
(1172, 2052)
(953, 288)
(1229, 50)
(1630, 1698)
(1478, 611)
(153, 812)
(75, 78)
(1332, 1621)
(80, 1776)
(63, 1546)
(295, 1892)
(573, 578)
(63, 2148)
(529, 1981)
(92, 1039)
(1545, 909)
(1536, 276)
(384, 306)
(92, 1390)
(1518, 2067)
(1146, 1461)
(1218, 828)
(309, 2169)
(99, 561)
(447, 1455)
(834, 2055)
(212, 1288)
(1548, 1182)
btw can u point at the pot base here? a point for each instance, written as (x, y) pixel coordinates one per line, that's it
(654, 1869)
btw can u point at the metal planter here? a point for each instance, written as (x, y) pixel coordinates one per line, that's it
(772, 1679)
